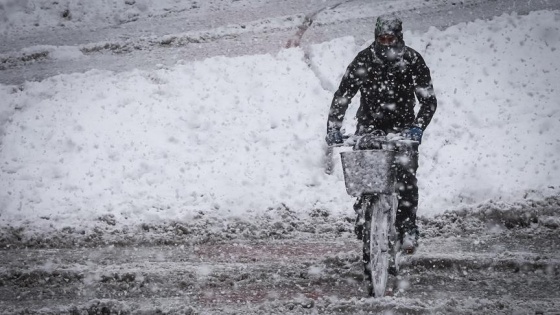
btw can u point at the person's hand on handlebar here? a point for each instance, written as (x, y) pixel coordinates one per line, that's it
(334, 136)
(414, 133)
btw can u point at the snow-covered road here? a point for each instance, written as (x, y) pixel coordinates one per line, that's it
(493, 262)
(169, 33)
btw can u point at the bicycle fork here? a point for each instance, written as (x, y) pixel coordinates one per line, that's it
(380, 248)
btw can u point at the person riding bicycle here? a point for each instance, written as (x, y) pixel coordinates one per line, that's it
(389, 76)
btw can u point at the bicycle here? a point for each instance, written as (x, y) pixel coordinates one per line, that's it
(369, 173)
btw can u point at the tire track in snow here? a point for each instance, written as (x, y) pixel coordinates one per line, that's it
(487, 262)
(324, 277)
(295, 41)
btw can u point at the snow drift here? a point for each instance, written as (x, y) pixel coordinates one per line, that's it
(239, 135)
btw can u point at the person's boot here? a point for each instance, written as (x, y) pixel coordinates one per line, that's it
(409, 240)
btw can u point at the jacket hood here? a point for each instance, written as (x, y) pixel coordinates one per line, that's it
(389, 25)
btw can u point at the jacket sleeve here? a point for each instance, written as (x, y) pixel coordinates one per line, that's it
(351, 82)
(424, 93)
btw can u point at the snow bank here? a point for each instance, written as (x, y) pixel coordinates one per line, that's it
(495, 133)
(229, 134)
(239, 135)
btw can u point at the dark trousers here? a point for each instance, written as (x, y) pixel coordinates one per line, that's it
(407, 194)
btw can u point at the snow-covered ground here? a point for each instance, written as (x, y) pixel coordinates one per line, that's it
(233, 136)
(38, 41)
(22, 18)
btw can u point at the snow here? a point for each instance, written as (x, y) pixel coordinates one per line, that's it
(503, 107)
(235, 136)
(27, 16)
(20, 17)
(54, 52)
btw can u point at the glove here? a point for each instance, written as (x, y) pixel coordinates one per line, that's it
(334, 137)
(414, 133)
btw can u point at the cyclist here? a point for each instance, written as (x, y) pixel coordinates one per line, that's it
(390, 76)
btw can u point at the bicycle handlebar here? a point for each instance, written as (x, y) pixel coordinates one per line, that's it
(355, 141)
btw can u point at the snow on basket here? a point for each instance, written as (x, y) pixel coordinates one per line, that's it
(368, 171)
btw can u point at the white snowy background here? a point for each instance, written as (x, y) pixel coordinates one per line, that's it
(237, 135)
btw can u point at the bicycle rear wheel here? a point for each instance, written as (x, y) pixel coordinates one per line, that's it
(376, 249)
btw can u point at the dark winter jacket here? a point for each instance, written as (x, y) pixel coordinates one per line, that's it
(388, 90)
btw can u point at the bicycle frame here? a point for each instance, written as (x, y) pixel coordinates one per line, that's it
(369, 174)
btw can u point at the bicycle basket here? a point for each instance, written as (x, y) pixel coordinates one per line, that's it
(368, 172)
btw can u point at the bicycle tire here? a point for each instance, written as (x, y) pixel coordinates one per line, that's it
(377, 249)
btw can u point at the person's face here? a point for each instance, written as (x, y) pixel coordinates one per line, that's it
(386, 39)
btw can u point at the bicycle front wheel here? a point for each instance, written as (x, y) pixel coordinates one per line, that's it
(377, 227)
